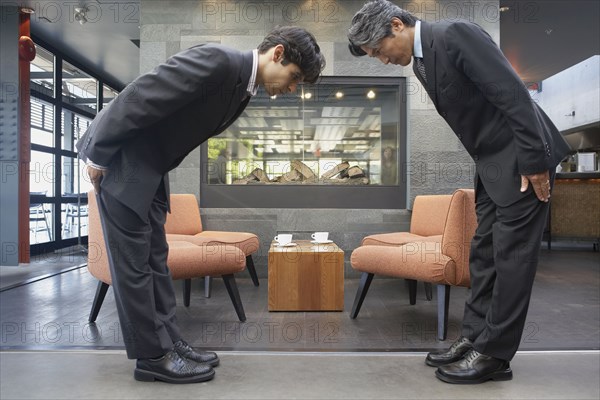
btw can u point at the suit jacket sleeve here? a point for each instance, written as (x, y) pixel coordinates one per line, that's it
(479, 58)
(183, 78)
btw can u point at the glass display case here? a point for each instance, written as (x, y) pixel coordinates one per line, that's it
(340, 132)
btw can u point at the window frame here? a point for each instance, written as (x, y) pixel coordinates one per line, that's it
(58, 200)
(318, 196)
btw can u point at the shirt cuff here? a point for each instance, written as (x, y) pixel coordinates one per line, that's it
(90, 163)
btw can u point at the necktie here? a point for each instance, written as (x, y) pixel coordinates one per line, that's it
(421, 67)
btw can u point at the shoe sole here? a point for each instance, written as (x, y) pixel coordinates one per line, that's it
(505, 375)
(150, 376)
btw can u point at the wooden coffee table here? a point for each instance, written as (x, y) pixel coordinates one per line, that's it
(306, 277)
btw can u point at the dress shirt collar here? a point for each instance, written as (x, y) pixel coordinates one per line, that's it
(252, 86)
(417, 46)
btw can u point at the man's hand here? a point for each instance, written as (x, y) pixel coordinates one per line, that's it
(540, 184)
(96, 176)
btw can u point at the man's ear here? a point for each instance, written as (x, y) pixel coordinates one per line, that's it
(397, 23)
(278, 53)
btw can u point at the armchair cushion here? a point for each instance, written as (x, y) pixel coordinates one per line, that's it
(429, 214)
(184, 259)
(426, 224)
(245, 241)
(184, 218)
(184, 224)
(397, 239)
(421, 261)
(199, 241)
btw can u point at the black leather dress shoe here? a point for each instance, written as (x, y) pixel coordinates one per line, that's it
(454, 353)
(202, 357)
(172, 368)
(475, 368)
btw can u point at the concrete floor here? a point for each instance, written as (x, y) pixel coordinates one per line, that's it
(35, 364)
(273, 375)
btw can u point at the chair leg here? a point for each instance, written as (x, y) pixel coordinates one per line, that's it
(365, 281)
(428, 290)
(234, 294)
(187, 291)
(443, 293)
(101, 290)
(412, 291)
(47, 227)
(207, 286)
(251, 270)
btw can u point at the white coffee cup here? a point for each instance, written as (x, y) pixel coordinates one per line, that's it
(283, 239)
(320, 236)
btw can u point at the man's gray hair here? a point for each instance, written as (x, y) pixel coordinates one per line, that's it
(372, 23)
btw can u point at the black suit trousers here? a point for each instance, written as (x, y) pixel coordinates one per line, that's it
(141, 280)
(503, 262)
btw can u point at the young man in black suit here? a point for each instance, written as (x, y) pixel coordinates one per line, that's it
(515, 147)
(134, 142)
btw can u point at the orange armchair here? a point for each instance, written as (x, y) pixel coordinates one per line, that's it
(184, 224)
(426, 224)
(442, 261)
(185, 261)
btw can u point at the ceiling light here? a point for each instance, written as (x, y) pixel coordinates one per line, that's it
(339, 95)
(307, 95)
(273, 97)
(80, 15)
(504, 9)
(371, 94)
(27, 10)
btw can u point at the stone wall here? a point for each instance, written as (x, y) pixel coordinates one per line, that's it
(437, 161)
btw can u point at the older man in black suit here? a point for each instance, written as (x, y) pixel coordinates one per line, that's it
(515, 147)
(131, 146)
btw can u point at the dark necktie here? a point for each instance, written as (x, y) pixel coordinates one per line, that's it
(421, 67)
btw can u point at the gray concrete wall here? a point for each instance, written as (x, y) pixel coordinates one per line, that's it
(437, 162)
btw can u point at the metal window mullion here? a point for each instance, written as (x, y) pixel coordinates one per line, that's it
(57, 149)
(76, 110)
(43, 97)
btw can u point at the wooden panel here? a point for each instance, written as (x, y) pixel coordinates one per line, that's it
(575, 210)
(306, 277)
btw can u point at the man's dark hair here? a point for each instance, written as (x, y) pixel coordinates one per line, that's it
(301, 48)
(372, 23)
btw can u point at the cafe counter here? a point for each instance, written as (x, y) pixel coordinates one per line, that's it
(575, 207)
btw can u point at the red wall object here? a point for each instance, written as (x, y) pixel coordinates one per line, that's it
(26, 55)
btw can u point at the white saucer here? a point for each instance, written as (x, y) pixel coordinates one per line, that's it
(323, 242)
(287, 244)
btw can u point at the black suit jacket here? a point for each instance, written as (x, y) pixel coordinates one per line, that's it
(149, 128)
(475, 89)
